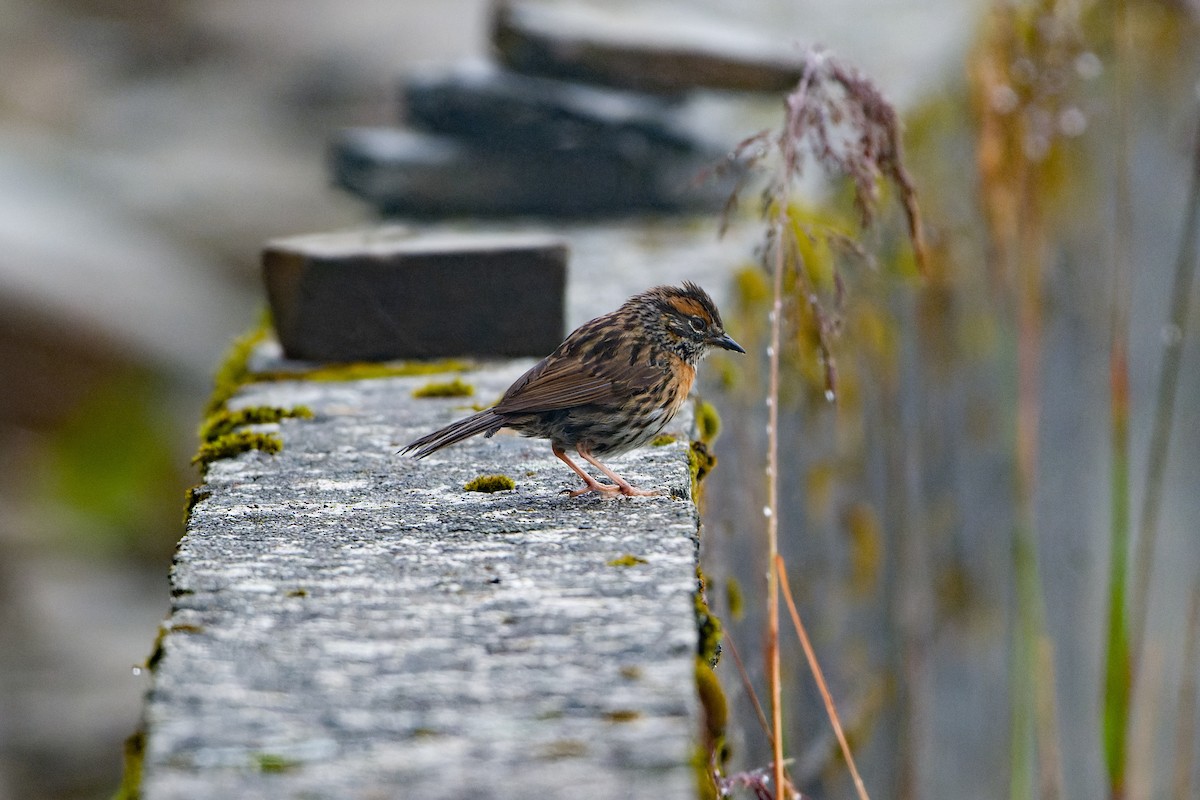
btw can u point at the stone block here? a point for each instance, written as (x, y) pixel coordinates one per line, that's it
(381, 295)
(405, 173)
(497, 109)
(661, 50)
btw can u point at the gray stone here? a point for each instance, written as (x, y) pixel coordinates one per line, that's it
(664, 50)
(387, 294)
(405, 173)
(502, 110)
(350, 623)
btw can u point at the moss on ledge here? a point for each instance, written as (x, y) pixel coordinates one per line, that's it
(700, 462)
(131, 776)
(224, 421)
(708, 422)
(708, 626)
(490, 484)
(234, 369)
(716, 717)
(219, 437)
(714, 749)
(233, 444)
(363, 370)
(195, 495)
(454, 388)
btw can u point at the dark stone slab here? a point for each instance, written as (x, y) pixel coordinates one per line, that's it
(667, 53)
(379, 295)
(499, 109)
(404, 173)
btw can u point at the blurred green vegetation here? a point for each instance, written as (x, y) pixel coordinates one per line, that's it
(904, 501)
(113, 469)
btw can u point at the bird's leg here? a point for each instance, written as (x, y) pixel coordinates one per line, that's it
(622, 484)
(592, 485)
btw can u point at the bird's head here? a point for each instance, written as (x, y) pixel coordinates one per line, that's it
(685, 320)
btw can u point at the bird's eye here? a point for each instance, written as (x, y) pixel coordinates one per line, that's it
(697, 324)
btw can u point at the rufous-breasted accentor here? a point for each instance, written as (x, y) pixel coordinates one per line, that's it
(610, 387)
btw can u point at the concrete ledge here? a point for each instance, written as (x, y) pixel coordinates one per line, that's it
(351, 623)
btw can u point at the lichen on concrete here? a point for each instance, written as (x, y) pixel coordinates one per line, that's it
(348, 622)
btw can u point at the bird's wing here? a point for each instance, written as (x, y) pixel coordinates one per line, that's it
(556, 383)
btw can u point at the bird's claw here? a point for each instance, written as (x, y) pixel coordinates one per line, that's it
(610, 489)
(602, 488)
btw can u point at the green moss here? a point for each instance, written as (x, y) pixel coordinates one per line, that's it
(298, 592)
(224, 421)
(708, 687)
(716, 712)
(272, 762)
(364, 370)
(700, 462)
(708, 422)
(627, 560)
(454, 388)
(156, 650)
(662, 440)
(712, 697)
(733, 598)
(490, 483)
(233, 444)
(234, 369)
(134, 758)
(708, 626)
(218, 436)
(706, 784)
(622, 715)
(193, 497)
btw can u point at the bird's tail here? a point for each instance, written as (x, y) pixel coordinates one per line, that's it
(486, 421)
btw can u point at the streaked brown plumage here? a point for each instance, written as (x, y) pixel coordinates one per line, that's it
(611, 386)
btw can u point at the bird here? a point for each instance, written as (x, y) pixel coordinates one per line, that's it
(610, 387)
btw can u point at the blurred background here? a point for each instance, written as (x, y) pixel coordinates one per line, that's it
(147, 149)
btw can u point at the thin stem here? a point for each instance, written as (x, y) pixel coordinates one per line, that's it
(772, 509)
(1028, 585)
(1164, 411)
(741, 666)
(823, 687)
(1118, 670)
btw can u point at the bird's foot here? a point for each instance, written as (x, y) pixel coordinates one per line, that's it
(592, 486)
(610, 489)
(633, 491)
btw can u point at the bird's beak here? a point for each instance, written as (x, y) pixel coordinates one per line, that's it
(726, 342)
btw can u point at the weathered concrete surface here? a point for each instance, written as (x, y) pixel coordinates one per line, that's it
(349, 623)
